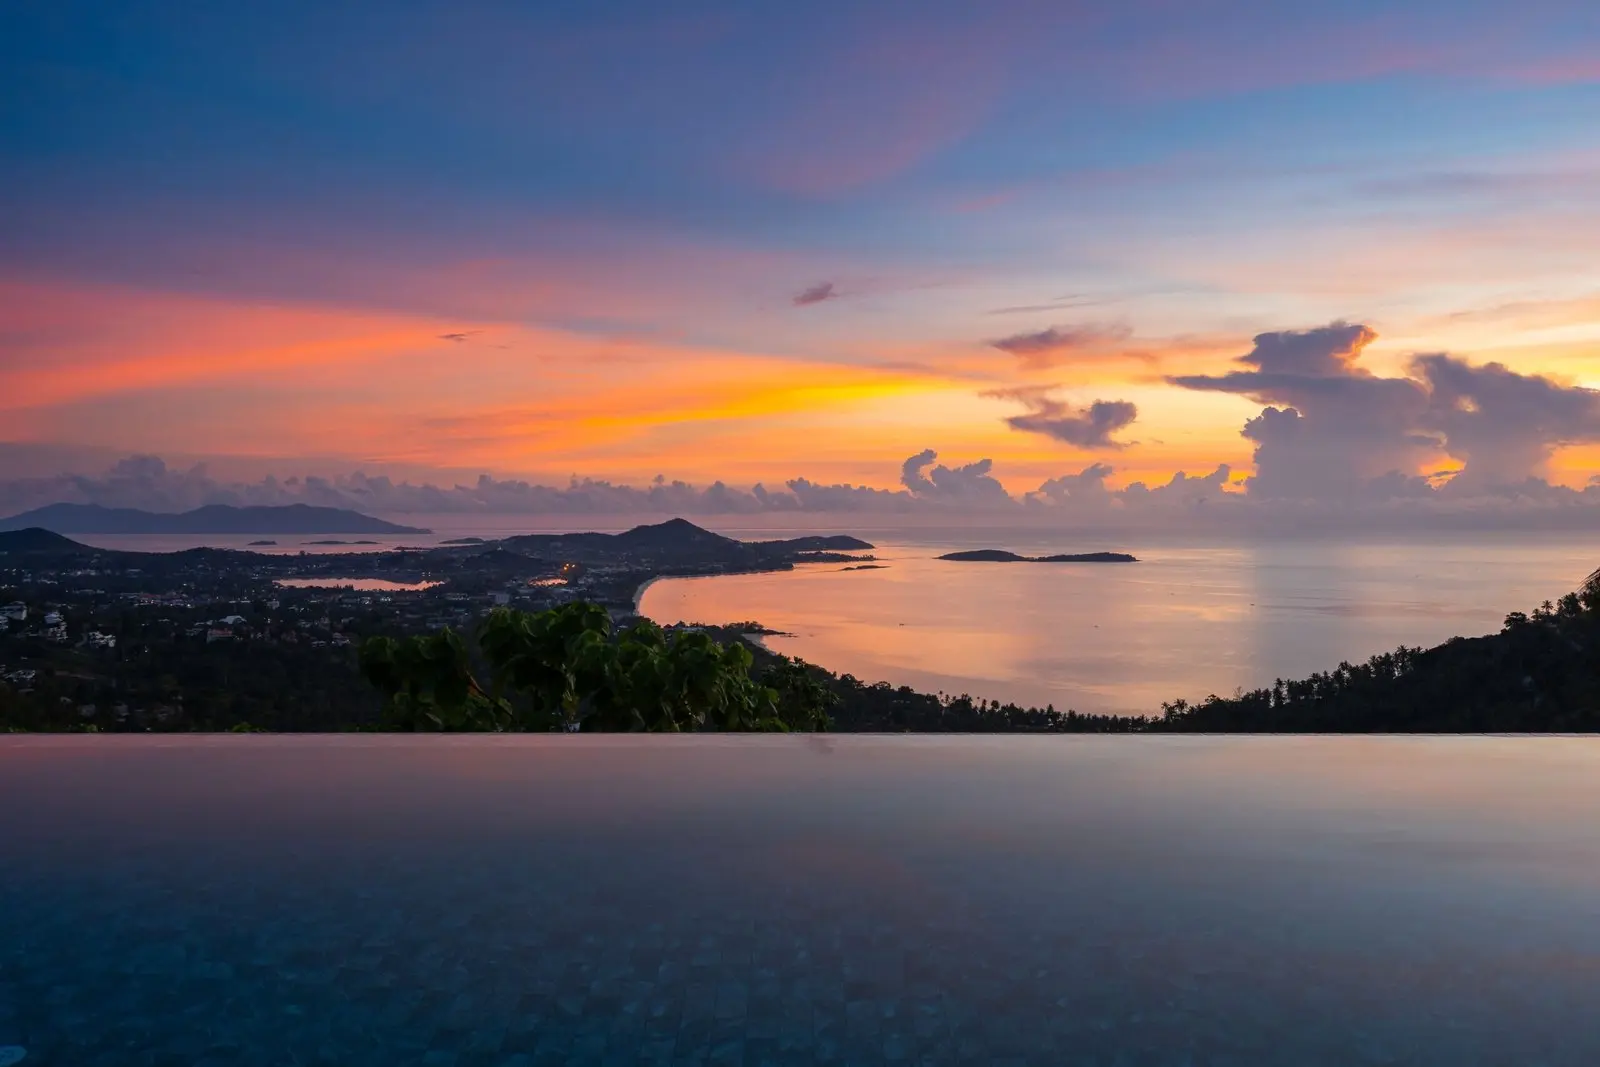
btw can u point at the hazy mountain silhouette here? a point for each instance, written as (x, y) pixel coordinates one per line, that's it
(211, 519)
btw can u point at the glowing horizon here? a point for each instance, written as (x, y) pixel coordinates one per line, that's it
(754, 248)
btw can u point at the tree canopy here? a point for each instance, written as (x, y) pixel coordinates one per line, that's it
(567, 669)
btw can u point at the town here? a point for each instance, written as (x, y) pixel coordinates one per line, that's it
(95, 639)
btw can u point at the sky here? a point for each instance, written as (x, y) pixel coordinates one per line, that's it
(1023, 253)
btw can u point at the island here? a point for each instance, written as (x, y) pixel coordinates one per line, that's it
(464, 541)
(999, 555)
(260, 544)
(865, 567)
(211, 519)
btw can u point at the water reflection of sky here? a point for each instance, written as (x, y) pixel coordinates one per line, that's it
(1184, 622)
(360, 901)
(364, 585)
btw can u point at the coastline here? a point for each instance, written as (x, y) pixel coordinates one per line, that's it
(638, 593)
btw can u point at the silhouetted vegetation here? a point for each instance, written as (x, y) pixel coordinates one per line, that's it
(565, 669)
(1540, 673)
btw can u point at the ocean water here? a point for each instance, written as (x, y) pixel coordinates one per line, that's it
(509, 902)
(1186, 621)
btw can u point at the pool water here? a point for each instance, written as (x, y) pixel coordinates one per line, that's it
(853, 900)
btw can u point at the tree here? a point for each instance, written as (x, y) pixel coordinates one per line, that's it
(566, 669)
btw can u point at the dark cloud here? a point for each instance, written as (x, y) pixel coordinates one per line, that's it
(459, 336)
(1054, 345)
(1089, 427)
(816, 294)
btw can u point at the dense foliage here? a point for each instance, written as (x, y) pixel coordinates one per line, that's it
(565, 669)
(1540, 673)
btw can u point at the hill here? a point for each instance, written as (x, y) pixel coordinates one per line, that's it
(1540, 673)
(674, 535)
(820, 543)
(36, 540)
(211, 519)
(677, 543)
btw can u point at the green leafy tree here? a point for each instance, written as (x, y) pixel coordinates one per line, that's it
(566, 669)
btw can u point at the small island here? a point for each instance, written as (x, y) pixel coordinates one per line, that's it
(1000, 555)
(865, 567)
(260, 544)
(464, 541)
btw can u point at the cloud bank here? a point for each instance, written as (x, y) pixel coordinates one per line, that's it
(1449, 445)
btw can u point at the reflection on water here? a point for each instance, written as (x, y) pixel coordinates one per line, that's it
(365, 901)
(1183, 622)
(372, 585)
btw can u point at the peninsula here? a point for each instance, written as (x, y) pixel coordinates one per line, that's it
(999, 555)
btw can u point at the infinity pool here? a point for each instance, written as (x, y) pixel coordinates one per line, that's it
(362, 901)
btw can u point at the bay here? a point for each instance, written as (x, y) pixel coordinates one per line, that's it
(1185, 621)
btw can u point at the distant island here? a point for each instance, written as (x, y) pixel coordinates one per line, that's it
(865, 567)
(211, 519)
(464, 541)
(819, 543)
(999, 555)
(260, 544)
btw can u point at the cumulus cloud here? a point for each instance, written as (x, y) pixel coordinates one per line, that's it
(971, 483)
(1331, 429)
(1182, 489)
(815, 294)
(1089, 427)
(1086, 489)
(1057, 344)
(1334, 430)
(1502, 425)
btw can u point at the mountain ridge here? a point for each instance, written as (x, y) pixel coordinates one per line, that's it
(209, 519)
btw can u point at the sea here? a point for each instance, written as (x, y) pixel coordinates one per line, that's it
(1190, 618)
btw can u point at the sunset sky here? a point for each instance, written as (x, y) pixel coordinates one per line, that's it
(753, 241)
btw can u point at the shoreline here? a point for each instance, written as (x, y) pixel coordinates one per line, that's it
(638, 593)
